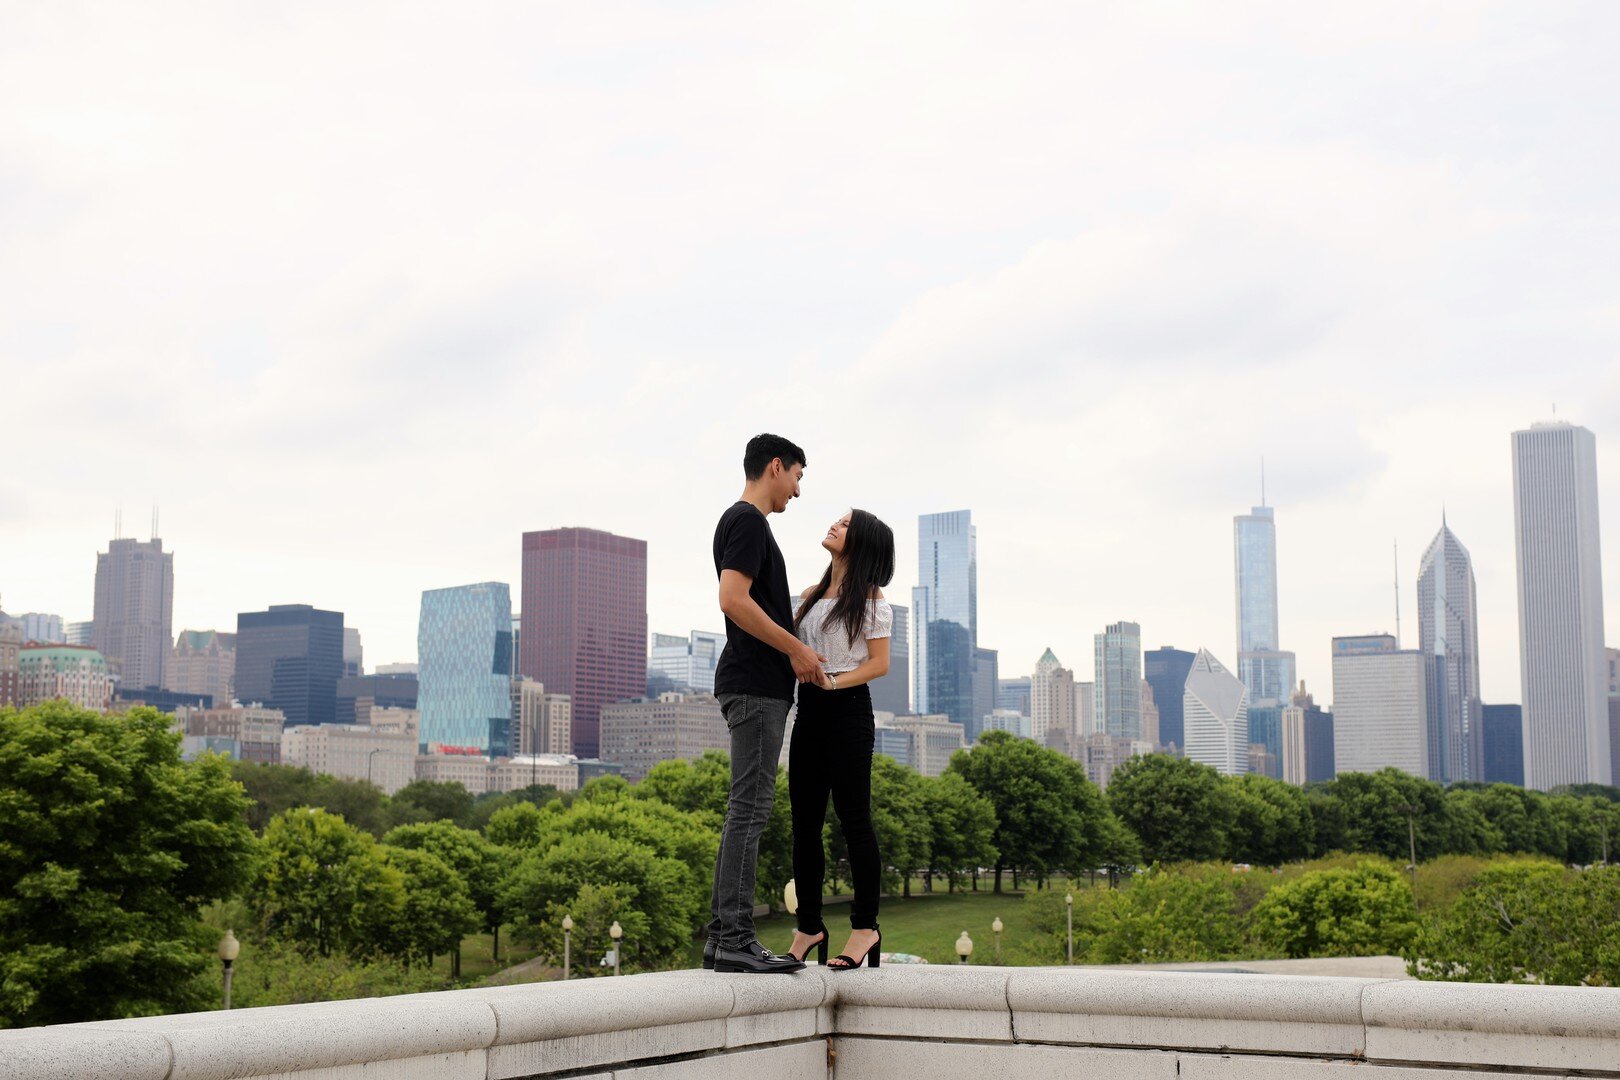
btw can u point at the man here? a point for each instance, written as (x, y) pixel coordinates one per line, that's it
(760, 666)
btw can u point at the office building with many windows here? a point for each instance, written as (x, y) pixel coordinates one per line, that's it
(1215, 708)
(686, 664)
(1502, 738)
(1448, 637)
(584, 624)
(133, 627)
(1118, 659)
(464, 655)
(1263, 667)
(1560, 584)
(945, 613)
(892, 693)
(203, 662)
(640, 734)
(290, 658)
(1307, 741)
(1166, 669)
(1379, 711)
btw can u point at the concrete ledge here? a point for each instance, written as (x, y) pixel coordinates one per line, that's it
(1541, 1027)
(965, 1003)
(1189, 1011)
(975, 1023)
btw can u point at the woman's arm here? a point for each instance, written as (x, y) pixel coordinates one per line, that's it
(876, 666)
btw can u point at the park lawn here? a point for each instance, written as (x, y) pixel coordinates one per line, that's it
(926, 925)
(475, 956)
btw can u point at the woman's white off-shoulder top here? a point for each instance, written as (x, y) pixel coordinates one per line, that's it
(833, 641)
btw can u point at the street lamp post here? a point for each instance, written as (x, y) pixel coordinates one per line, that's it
(1411, 813)
(1068, 902)
(1603, 823)
(369, 756)
(568, 941)
(996, 928)
(616, 932)
(229, 949)
(964, 946)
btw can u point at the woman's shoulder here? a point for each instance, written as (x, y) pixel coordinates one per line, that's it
(805, 594)
(876, 596)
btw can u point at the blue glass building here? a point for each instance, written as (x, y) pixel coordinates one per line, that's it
(1165, 669)
(1267, 671)
(464, 654)
(1503, 739)
(945, 617)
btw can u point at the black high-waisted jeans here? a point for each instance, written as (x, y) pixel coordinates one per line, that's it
(831, 753)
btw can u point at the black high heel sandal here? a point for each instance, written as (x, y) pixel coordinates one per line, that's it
(820, 946)
(873, 956)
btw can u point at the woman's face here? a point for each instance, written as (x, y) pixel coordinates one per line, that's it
(834, 540)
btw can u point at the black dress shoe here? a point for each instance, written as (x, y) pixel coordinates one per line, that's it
(754, 959)
(708, 953)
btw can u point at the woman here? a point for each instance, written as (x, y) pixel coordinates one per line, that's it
(844, 618)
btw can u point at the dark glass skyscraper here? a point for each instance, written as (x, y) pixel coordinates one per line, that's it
(290, 658)
(1503, 737)
(945, 615)
(584, 622)
(892, 693)
(1165, 669)
(464, 653)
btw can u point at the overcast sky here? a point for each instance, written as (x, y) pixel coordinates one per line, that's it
(358, 292)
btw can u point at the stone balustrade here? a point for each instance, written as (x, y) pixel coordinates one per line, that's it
(934, 1022)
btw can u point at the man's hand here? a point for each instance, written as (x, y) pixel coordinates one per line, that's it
(807, 664)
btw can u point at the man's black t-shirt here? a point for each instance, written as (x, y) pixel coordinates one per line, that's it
(743, 542)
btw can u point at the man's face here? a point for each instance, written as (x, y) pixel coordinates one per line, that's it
(784, 484)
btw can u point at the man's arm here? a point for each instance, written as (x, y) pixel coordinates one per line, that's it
(741, 608)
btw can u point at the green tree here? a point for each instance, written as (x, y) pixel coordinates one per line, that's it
(437, 911)
(110, 846)
(1526, 922)
(522, 826)
(700, 786)
(1523, 820)
(272, 789)
(1185, 914)
(436, 800)
(650, 887)
(474, 859)
(1375, 821)
(1179, 809)
(1271, 821)
(961, 824)
(900, 819)
(1366, 910)
(325, 885)
(1048, 815)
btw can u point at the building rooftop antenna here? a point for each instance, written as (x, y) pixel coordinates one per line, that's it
(1262, 480)
(118, 523)
(1397, 594)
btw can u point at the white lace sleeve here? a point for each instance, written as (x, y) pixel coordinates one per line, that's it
(879, 620)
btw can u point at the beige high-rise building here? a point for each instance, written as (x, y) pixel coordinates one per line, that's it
(1379, 715)
(482, 775)
(393, 720)
(134, 614)
(545, 721)
(1051, 699)
(640, 734)
(72, 672)
(203, 662)
(11, 639)
(352, 751)
(256, 729)
(932, 740)
(1150, 716)
(1102, 754)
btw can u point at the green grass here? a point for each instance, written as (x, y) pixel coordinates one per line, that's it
(927, 925)
(476, 961)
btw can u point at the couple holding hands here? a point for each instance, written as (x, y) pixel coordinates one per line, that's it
(827, 643)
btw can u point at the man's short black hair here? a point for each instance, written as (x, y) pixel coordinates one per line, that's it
(763, 449)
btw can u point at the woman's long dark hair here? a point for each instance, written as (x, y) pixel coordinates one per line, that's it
(868, 566)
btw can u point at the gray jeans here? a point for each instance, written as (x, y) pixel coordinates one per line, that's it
(756, 724)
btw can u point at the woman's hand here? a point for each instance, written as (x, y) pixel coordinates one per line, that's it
(823, 680)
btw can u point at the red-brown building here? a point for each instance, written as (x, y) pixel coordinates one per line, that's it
(584, 621)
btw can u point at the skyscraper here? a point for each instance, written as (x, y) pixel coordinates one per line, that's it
(1215, 707)
(892, 693)
(1119, 680)
(354, 655)
(134, 614)
(1166, 669)
(584, 629)
(1307, 741)
(203, 662)
(464, 653)
(1051, 699)
(1448, 637)
(986, 680)
(1267, 671)
(11, 641)
(945, 610)
(1502, 736)
(687, 663)
(290, 658)
(1378, 706)
(1560, 580)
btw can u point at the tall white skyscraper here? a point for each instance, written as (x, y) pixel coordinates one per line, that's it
(1378, 706)
(1561, 660)
(1119, 680)
(1215, 712)
(1263, 667)
(1448, 638)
